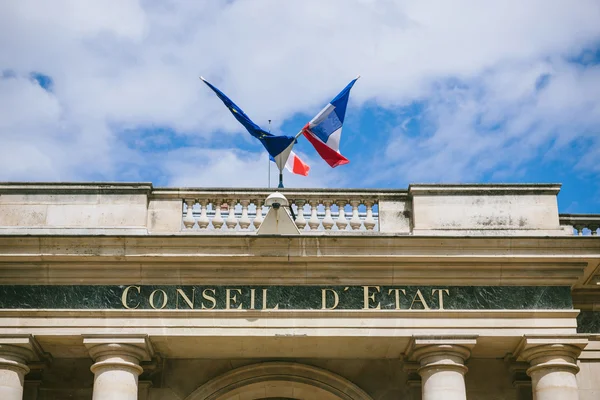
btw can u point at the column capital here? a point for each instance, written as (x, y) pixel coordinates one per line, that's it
(449, 352)
(441, 364)
(419, 346)
(529, 341)
(118, 351)
(559, 352)
(18, 350)
(552, 364)
(139, 345)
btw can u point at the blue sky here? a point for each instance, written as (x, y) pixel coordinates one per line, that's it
(462, 91)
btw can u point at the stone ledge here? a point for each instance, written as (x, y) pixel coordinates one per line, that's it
(55, 188)
(469, 189)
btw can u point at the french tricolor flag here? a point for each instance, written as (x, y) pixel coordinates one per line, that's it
(325, 130)
(296, 166)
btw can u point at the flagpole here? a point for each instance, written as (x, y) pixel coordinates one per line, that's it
(269, 160)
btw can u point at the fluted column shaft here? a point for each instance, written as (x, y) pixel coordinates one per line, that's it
(553, 371)
(442, 370)
(13, 368)
(116, 371)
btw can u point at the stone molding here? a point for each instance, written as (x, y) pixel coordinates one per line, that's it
(483, 188)
(558, 352)
(439, 352)
(279, 374)
(554, 356)
(379, 260)
(16, 351)
(15, 358)
(388, 332)
(74, 188)
(125, 352)
(592, 350)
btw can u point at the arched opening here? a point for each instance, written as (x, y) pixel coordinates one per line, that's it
(279, 381)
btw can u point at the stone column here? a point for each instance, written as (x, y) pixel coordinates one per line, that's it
(15, 353)
(117, 365)
(552, 365)
(553, 369)
(442, 366)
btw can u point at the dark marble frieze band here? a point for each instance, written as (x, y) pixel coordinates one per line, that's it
(588, 322)
(207, 297)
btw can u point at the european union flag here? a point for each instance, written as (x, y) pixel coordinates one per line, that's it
(278, 147)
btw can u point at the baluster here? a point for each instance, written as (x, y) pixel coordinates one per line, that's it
(369, 221)
(203, 221)
(189, 220)
(217, 220)
(327, 221)
(579, 229)
(355, 221)
(231, 221)
(259, 218)
(300, 220)
(594, 229)
(244, 219)
(341, 222)
(313, 222)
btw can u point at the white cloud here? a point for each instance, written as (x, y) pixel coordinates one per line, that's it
(498, 121)
(129, 64)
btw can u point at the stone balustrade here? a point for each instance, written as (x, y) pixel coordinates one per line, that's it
(421, 210)
(313, 210)
(581, 224)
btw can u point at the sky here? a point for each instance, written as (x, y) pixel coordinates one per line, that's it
(450, 91)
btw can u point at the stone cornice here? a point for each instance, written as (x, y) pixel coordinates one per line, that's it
(207, 334)
(59, 188)
(176, 192)
(297, 260)
(483, 188)
(262, 193)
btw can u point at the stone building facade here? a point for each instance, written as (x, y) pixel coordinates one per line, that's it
(126, 291)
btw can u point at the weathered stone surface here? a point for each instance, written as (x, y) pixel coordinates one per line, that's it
(485, 209)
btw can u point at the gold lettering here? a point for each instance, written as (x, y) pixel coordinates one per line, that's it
(164, 299)
(124, 297)
(264, 295)
(421, 300)
(441, 296)
(229, 299)
(205, 296)
(336, 299)
(252, 298)
(189, 302)
(370, 296)
(397, 293)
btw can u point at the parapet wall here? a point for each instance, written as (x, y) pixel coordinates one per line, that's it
(423, 209)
